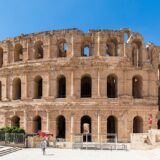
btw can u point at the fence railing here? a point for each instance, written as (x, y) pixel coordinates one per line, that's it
(16, 138)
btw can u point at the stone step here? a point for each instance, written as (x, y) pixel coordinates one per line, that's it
(8, 151)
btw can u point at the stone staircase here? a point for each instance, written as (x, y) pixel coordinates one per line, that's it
(7, 150)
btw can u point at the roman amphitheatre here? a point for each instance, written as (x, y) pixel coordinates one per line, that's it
(99, 84)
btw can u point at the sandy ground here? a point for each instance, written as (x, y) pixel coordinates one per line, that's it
(77, 154)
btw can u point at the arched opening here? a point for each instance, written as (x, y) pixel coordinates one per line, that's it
(111, 48)
(111, 128)
(18, 52)
(137, 125)
(136, 54)
(61, 87)
(158, 124)
(1, 57)
(15, 121)
(16, 89)
(86, 87)
(137, 87)
(125, 37)
(62, 49)
(159, 72)
(38, 46)
(0, 90)
(38, 87)
(86, 129)
(159, 98)
(112, 86)
(61, 127)
(86, 51)
(37, 124)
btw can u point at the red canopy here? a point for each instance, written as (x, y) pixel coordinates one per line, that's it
(44, 134)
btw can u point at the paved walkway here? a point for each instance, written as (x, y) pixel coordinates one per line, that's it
(69, 154)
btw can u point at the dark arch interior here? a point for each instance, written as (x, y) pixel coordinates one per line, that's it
(111, 128)
(111, 124)
(158, 124)
(137, 125)
(86, 87)
(159, 98)
(38, 88)
(86, 128)
(136, 87)
(38, 50)
(1, 57)
(62, 87)
(15, 121)
(18, 52)
(37, 126)
(17, 89)
(62, 49)
(61, 127)
(111, 87)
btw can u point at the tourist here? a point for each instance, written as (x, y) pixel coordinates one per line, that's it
(44, 146)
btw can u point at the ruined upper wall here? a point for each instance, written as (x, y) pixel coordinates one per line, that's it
(75, 43)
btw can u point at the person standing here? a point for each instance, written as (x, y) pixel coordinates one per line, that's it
(44, 146)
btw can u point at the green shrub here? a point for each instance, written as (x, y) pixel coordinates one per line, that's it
(12, 130)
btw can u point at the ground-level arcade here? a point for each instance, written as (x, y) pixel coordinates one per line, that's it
(64, 120)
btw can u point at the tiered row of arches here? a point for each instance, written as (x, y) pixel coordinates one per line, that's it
(64, 46)
(85, 125)
(85, 87)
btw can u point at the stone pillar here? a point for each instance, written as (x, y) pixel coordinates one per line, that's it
(72, 85)
(45, 86)
(72, 126)
(98, 126)
(72, 52)
(24, 86)
(25, 120)
(4, 89)
(98, 88)
(98, 42)
(47, 120)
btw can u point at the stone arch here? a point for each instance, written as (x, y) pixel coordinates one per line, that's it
(16, 92)
(38, 87)
(111, 47)
(137, 124)
(61, 127)
(159, 98)
(1, 57)
(62, 48)
(18, 52)
(158, 124)
(61, 84)
(0, 90)
(86, 128)
(136, 53)
(86, 46)
(37, 124)
(86, 50)
(159, 72)
(86, 86)
(125, 36)
(15, 121)
(137, 85)
(38, 48)
(112, 86)
(112, 125)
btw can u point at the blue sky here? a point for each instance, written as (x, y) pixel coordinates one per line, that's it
(27, 16)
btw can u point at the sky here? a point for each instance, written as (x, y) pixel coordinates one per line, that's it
(28, 16)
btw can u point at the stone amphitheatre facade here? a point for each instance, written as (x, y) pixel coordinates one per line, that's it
(69, 82)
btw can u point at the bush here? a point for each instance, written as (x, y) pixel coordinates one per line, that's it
(12, 130)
